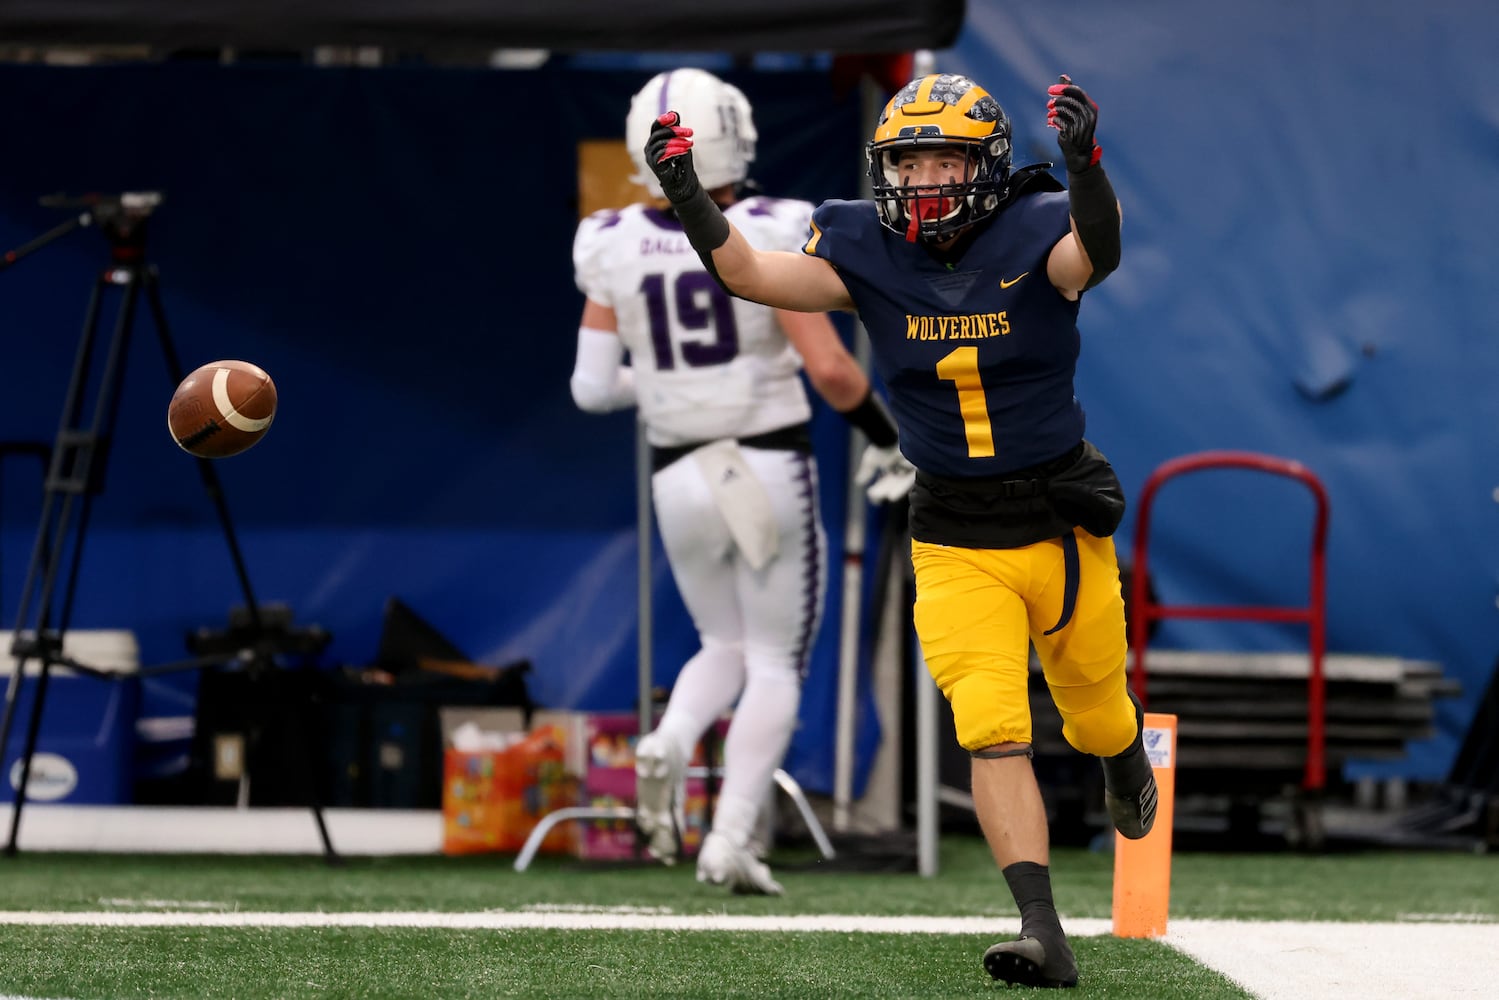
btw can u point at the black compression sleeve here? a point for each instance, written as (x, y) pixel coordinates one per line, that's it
(705, 226)
(1095, 209)
(871, 417)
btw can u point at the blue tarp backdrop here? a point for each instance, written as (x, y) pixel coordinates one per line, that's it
(394, 247)
(1311, 233)
(1309, 245)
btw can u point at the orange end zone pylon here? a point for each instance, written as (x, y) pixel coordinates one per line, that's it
(1142, 868)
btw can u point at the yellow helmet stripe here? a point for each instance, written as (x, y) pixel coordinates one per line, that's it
(968, 100)
(964, 103)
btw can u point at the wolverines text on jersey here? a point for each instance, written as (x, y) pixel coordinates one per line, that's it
(979, 355)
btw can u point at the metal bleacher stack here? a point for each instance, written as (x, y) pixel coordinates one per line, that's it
(1243, 711)
(1243, 729)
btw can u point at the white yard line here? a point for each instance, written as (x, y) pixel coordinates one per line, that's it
(579, 920)
(1293, 961)
(1274, 960)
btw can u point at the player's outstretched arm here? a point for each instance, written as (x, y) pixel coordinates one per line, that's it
(779, 278)
(775, 278)
(1091, 252)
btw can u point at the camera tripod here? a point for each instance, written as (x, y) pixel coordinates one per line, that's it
(75, 477)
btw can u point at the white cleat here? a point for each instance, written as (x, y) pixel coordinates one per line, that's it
(658, 775)
(721, 862)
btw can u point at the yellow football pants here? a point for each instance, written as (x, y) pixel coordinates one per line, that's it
(978, 611)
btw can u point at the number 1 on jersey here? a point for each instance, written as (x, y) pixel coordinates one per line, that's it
(961, 367)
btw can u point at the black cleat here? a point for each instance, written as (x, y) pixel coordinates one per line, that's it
(1133, 817)
(1132, 813)
(1026, 962)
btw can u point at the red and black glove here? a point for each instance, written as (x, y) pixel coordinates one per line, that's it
(668, 150)
(1074, 115)
(1090, 196)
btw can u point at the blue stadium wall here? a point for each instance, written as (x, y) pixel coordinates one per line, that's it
(394, 247)
(1311, 234)
(1309, 244)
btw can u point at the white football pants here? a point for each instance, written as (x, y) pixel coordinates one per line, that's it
(757, 626)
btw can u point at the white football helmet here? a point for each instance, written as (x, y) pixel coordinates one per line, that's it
(723, 128)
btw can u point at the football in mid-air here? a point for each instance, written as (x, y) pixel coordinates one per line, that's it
(221, 409)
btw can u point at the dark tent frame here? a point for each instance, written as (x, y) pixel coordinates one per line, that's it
(731, 26)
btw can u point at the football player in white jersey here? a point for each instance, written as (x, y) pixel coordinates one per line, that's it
(733, 479)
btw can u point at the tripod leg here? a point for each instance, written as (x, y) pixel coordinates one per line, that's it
(296, 706)
(44, 554)
(33, 728)
(45, 643)
(311, 752)
(316, 805)
(74, 477)
(317, 751)
(207, 471)
(209, 474)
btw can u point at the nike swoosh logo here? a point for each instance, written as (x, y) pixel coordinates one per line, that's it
(1006, 284)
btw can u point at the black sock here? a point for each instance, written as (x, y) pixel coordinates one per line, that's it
(1030, 884)
(1126, 772)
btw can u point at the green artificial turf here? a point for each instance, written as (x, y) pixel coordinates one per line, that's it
(248, 963)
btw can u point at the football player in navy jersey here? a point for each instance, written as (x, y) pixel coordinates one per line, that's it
(968, 277)
(718, 385)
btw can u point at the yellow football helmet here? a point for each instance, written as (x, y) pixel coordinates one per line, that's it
(940, 110)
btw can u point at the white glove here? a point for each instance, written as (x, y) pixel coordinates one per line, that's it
(885, 474)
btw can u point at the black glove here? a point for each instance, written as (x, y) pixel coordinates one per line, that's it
(668, 150)
(1074, 116)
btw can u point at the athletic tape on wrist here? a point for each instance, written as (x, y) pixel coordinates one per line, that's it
(706, 228)
(1095, 209)
(871, 417)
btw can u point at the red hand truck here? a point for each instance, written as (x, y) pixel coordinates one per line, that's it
(1143, 610)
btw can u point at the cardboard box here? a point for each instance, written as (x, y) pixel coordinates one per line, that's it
(599, 753)
(499, 781)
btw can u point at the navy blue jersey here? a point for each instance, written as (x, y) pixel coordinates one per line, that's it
(979, 355)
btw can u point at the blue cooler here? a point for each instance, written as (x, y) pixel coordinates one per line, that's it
(86, 747)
